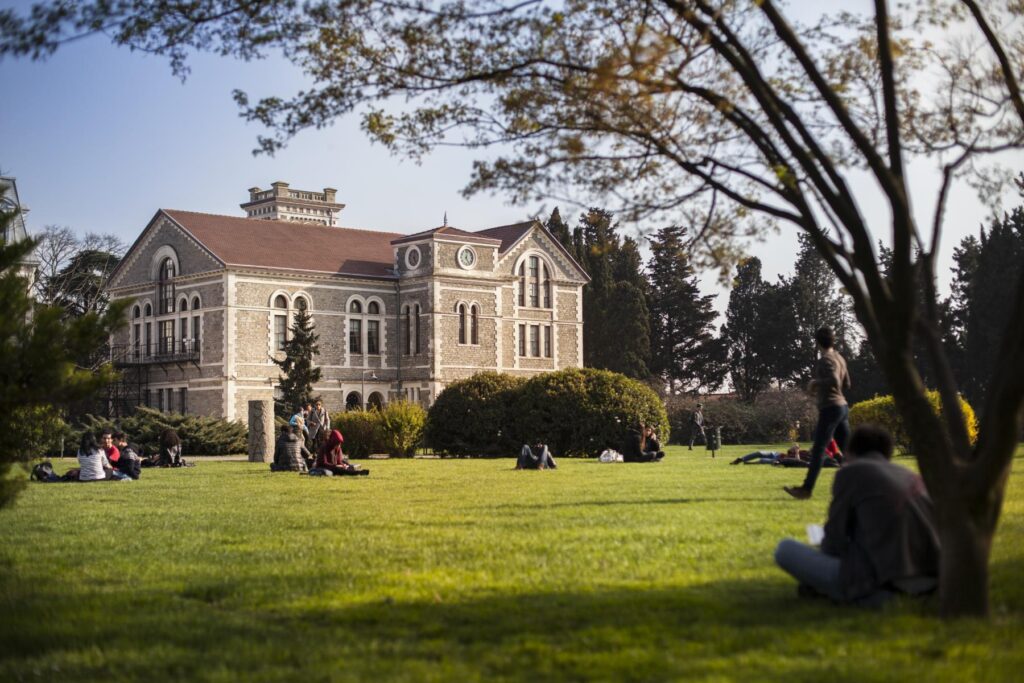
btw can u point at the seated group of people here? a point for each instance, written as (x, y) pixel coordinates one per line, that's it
(112, 457)
(291, 455)
(794, 457)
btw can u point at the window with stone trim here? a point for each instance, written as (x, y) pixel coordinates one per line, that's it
(417, 345)
(534, 283)
(462, 323)
(280, 322)
(166, 286)
(365, 327)
(522, 340)
(355, 336)
(474, 324)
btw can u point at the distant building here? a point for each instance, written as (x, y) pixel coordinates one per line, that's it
(281, 203)
(398, 315)
(15, 230)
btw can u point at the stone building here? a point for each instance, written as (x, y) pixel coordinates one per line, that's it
(15, 231)
(398, 315)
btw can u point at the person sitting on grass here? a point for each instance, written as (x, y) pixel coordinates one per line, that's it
(880, 538)
(638, 448)
(92, 460)
(170, 450)
(331, 458)
(536, 458)
(128, 461)
(290, 452)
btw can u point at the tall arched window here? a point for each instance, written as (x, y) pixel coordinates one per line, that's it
(522, 283)
(407, 329)
(372, 329)
(183, 324)
(462, 323)
(533, 283)
(355, 328)
(545, 285)
(136, 332)
(148, 326)
(417, 318)
(195, 324)
(474, 324)
(280, 322)
(167, 286)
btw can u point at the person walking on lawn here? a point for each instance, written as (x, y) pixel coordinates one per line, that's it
(697, 425)
(319, 423)
(831, 379)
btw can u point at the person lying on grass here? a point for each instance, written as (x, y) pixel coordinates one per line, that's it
(536, 458)
(639, 448)
(794, 457)
(331, 458)
(880, 538)
(289, 452)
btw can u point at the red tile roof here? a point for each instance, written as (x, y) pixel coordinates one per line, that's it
(290, 245)
(508, 234)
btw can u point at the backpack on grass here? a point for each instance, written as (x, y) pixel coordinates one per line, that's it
(44, 472)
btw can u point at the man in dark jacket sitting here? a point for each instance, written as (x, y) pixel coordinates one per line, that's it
(880, 537)
(290, 452)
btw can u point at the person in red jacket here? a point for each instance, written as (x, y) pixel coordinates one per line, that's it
(331, 458)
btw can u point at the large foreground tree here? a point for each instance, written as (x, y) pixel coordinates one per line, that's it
(719, 113)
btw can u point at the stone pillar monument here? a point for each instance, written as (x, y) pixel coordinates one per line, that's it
(261, 431)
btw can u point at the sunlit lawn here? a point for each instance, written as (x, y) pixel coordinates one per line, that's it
(460, 570)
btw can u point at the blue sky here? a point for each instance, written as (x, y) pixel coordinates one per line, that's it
(99, 138)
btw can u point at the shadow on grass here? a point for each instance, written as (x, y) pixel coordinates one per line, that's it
(629, 502)
(263, 629)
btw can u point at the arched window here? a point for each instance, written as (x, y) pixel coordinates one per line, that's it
(280, 322)
(136, 332)
(407, 329)
(417, 318)
(545, 285)
(373, 308)
(301, 304)
(372, 329)
(183, 324)
(353, 401)
(533, 283)
(522, 283)
(195, 324)
(166, 286)
(375, 401)
(149, 310)
(474, 324)
(147, 340)
(462, 323)
(355, 307)
(136, 312)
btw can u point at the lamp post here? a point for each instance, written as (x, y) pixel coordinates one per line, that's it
(362, 385)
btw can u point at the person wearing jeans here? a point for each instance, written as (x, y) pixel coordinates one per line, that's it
(831, 379)
(880, 538)
(537, 458)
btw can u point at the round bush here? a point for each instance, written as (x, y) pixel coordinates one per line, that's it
(881, 410)
(580, 412)
(362, 432)
(472, 416)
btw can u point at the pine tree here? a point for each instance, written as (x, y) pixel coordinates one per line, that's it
(299, 373)
(616, 329)
(749, 359)
(560, 231)
(684, 351)
(817, 302)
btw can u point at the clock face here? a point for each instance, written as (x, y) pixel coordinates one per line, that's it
(467, 257)
(412, 258)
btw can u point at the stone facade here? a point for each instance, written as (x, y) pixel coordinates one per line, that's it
(446, 304)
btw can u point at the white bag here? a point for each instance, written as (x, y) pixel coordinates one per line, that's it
(609, 455)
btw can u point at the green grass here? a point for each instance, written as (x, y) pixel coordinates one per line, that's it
(461, 570)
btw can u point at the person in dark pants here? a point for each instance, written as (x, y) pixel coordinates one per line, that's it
(831, 379)
(880, 538)
(639, 448)
(697, 425)
(536, 458)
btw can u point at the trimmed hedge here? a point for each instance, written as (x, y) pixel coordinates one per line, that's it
(396, 429)
(881, 410)
(199, 435)
(577, 412)
(772, 418)
(361, 430)
(472, 416)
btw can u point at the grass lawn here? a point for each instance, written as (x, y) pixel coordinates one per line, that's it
(461, 570)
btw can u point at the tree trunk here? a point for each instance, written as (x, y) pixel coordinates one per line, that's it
(963, 565)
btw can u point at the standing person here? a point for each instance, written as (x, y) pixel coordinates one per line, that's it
(880, 537)
(697, 425)
(319, 424)
(831, 379)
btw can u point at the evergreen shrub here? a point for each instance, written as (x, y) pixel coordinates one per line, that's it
(772, 417)
(582, 411)
(361, 430)
(401, 426)
(199, 435)
(473, 416)
(881, 410)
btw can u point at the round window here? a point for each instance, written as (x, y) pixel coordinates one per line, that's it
(467, 257)
(412, 258)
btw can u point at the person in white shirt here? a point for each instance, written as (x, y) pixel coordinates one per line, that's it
(92, 461)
